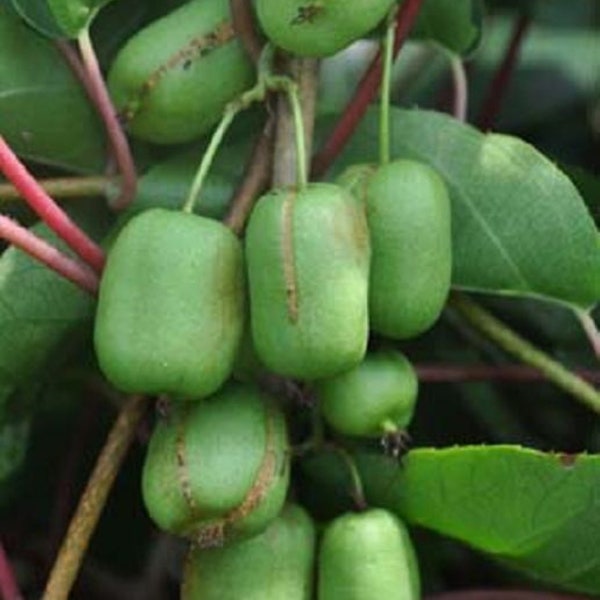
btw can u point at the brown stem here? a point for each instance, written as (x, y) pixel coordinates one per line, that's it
(305, 72)
(64, 188)
(499, 84)
(9, 590)
(432, 373)
(104, 106)
(256, 179)
(243, 24)
(93, 500)
(73, 59)
(48, 255)
(365, 93)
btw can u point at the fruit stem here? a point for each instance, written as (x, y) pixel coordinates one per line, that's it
(92, 501)
(9, 590)
(460, 88)
(117, 138)
(209, 154)
(48, 255)
(514, 344)
(365, 93)
(64, 188)
(43, 205)
(591, 330)
(386, 86)
(291, 89)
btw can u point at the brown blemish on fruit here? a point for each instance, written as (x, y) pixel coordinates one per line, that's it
(289, 259)
(308, 13)
(197, 47)
(183, 474)
(568, 460)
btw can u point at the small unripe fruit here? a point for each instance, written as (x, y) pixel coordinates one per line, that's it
(408, 210)
(277, 564)
(367, 556)
(307, 255)
(321, 27)
(219, 469)
(172, 80)
(375, 398)
(171, 305)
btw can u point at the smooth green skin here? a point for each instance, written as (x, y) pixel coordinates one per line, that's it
(408, 210)
(171, 305)
(191, 90)
(367, 556)
(274, 565)
(207, 459)
(374, 398)
(331, 251)
(319, 28)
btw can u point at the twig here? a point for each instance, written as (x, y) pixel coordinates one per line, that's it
(591, 331)
(64, 187)
(499, 84)
(117, 139)
(93, 500)
(514, 344)
(48, 255)
(365, 93)
(432, 373)
(43, 205)
(305, 72)
(9, 590)
(256, 179)
(242, 15)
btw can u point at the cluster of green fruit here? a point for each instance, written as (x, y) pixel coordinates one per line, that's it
(322, 266)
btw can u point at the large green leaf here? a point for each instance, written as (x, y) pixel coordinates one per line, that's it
(455, 24)
(38, 15)
(539, 512)
(519, 224)
(44, 113)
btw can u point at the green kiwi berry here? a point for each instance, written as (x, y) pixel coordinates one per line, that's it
(277, 564)
(172, 80)
(408, 210)
(367, 556)
(307, 255)
(170, 310)
(218, 470)
(373, 399)
(319, 27)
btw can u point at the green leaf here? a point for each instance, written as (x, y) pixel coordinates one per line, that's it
(39, 310)
(73, 16)
(454, 24)
(37, 15)
(44, 113)
(520, 226)
(538, 512)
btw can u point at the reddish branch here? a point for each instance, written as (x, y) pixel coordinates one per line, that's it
(243, 23)
(508, 373)
(48, 210)
(498, 87)
(365, 93)
(48, 255)
(9, 590)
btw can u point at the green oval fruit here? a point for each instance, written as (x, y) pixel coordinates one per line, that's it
(374, 398)
(367, 556)
(219, 469)
(171, 305)
(307, 257)
(274, 565)
(321, 27)
(408, 210)
(172, 80)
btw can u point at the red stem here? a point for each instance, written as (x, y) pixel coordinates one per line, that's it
(365, 93)
(47, 254)
(464, 373)
(48, 210)
(9, 590)
(72, 58)
(498, 87)
(99, 95)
